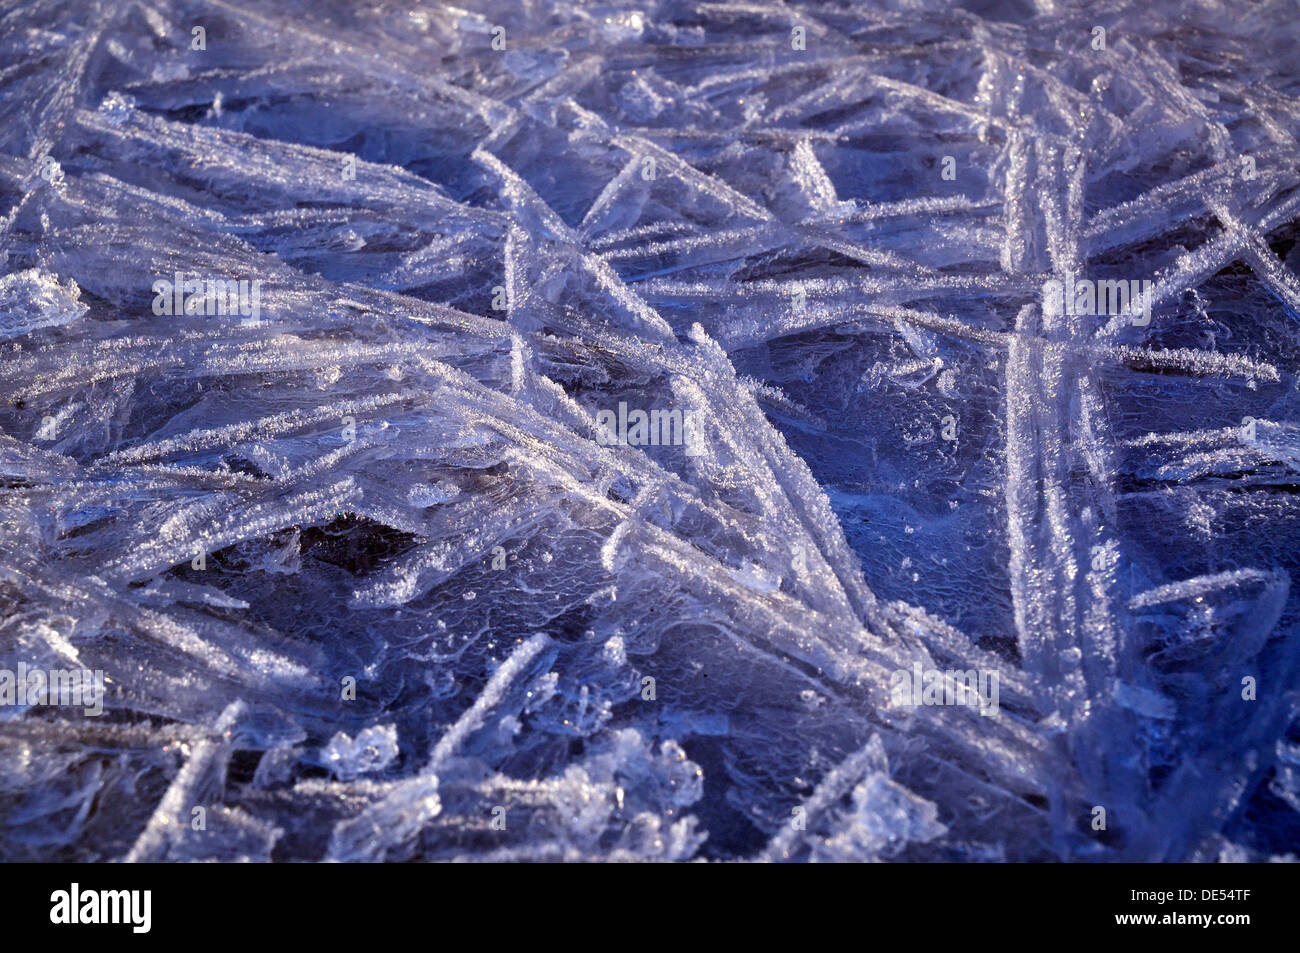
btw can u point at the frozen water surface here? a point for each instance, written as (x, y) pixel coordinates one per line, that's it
(360, 520)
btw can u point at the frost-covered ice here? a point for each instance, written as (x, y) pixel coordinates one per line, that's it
(317, 319)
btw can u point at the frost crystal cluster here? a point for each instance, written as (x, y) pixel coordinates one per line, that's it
(638, 431)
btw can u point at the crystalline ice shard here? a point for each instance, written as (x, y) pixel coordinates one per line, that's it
(548, 431)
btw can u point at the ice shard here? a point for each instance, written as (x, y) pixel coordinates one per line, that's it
(556, 431)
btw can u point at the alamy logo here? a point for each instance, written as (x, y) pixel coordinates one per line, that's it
(1087, 297)
(74, 688)
(207, 296)
(656, 428)
(134, 907)
(973, 688)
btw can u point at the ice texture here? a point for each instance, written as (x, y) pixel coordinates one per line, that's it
(369, 582)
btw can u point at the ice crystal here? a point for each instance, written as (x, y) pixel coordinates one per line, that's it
(554, 431)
